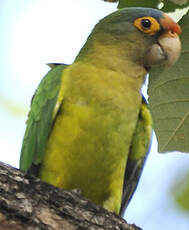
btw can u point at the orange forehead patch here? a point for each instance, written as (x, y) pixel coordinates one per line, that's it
(169, 25)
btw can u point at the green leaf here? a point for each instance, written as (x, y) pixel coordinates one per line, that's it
(168, 5)
(138, 3)
(169, 99)
(171, 5)
(181, 193)
(110, 0)
(11, 106)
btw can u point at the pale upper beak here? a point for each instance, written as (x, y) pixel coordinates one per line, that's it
(168, 47)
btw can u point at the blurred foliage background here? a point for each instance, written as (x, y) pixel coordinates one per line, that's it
(37, 32)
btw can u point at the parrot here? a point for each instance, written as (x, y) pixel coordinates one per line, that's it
(89, 127)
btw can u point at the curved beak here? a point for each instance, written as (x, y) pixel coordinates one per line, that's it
(169, 40)
(168, 47)
(171, 46)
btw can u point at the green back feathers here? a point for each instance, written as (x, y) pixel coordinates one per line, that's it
(40, 118)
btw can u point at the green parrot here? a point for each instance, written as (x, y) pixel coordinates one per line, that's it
(89, 128)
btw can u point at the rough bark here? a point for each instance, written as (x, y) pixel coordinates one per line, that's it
(26, 203)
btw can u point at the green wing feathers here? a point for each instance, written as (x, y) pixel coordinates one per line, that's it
(40, 119)
(138, 152)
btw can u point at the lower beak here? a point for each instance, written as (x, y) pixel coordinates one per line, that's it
(166, 50)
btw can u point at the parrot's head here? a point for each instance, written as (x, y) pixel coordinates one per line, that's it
(144, 35)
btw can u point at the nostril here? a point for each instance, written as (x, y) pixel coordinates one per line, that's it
(172, 33)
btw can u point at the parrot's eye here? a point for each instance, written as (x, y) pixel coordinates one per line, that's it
(148, 25)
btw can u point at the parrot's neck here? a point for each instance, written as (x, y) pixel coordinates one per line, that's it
(115, 57)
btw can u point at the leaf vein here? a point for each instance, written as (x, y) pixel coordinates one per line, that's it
(168, 118)
(165, 82)
(177, 128)
(169, 102)
(185, 52)
(185, 135)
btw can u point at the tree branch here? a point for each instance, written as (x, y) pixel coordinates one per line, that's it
(26, 203)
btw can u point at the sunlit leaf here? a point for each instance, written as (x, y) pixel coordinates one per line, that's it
(171, 5)
(11, 106)
(169, 99)
(168, 5)
(181, 193)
